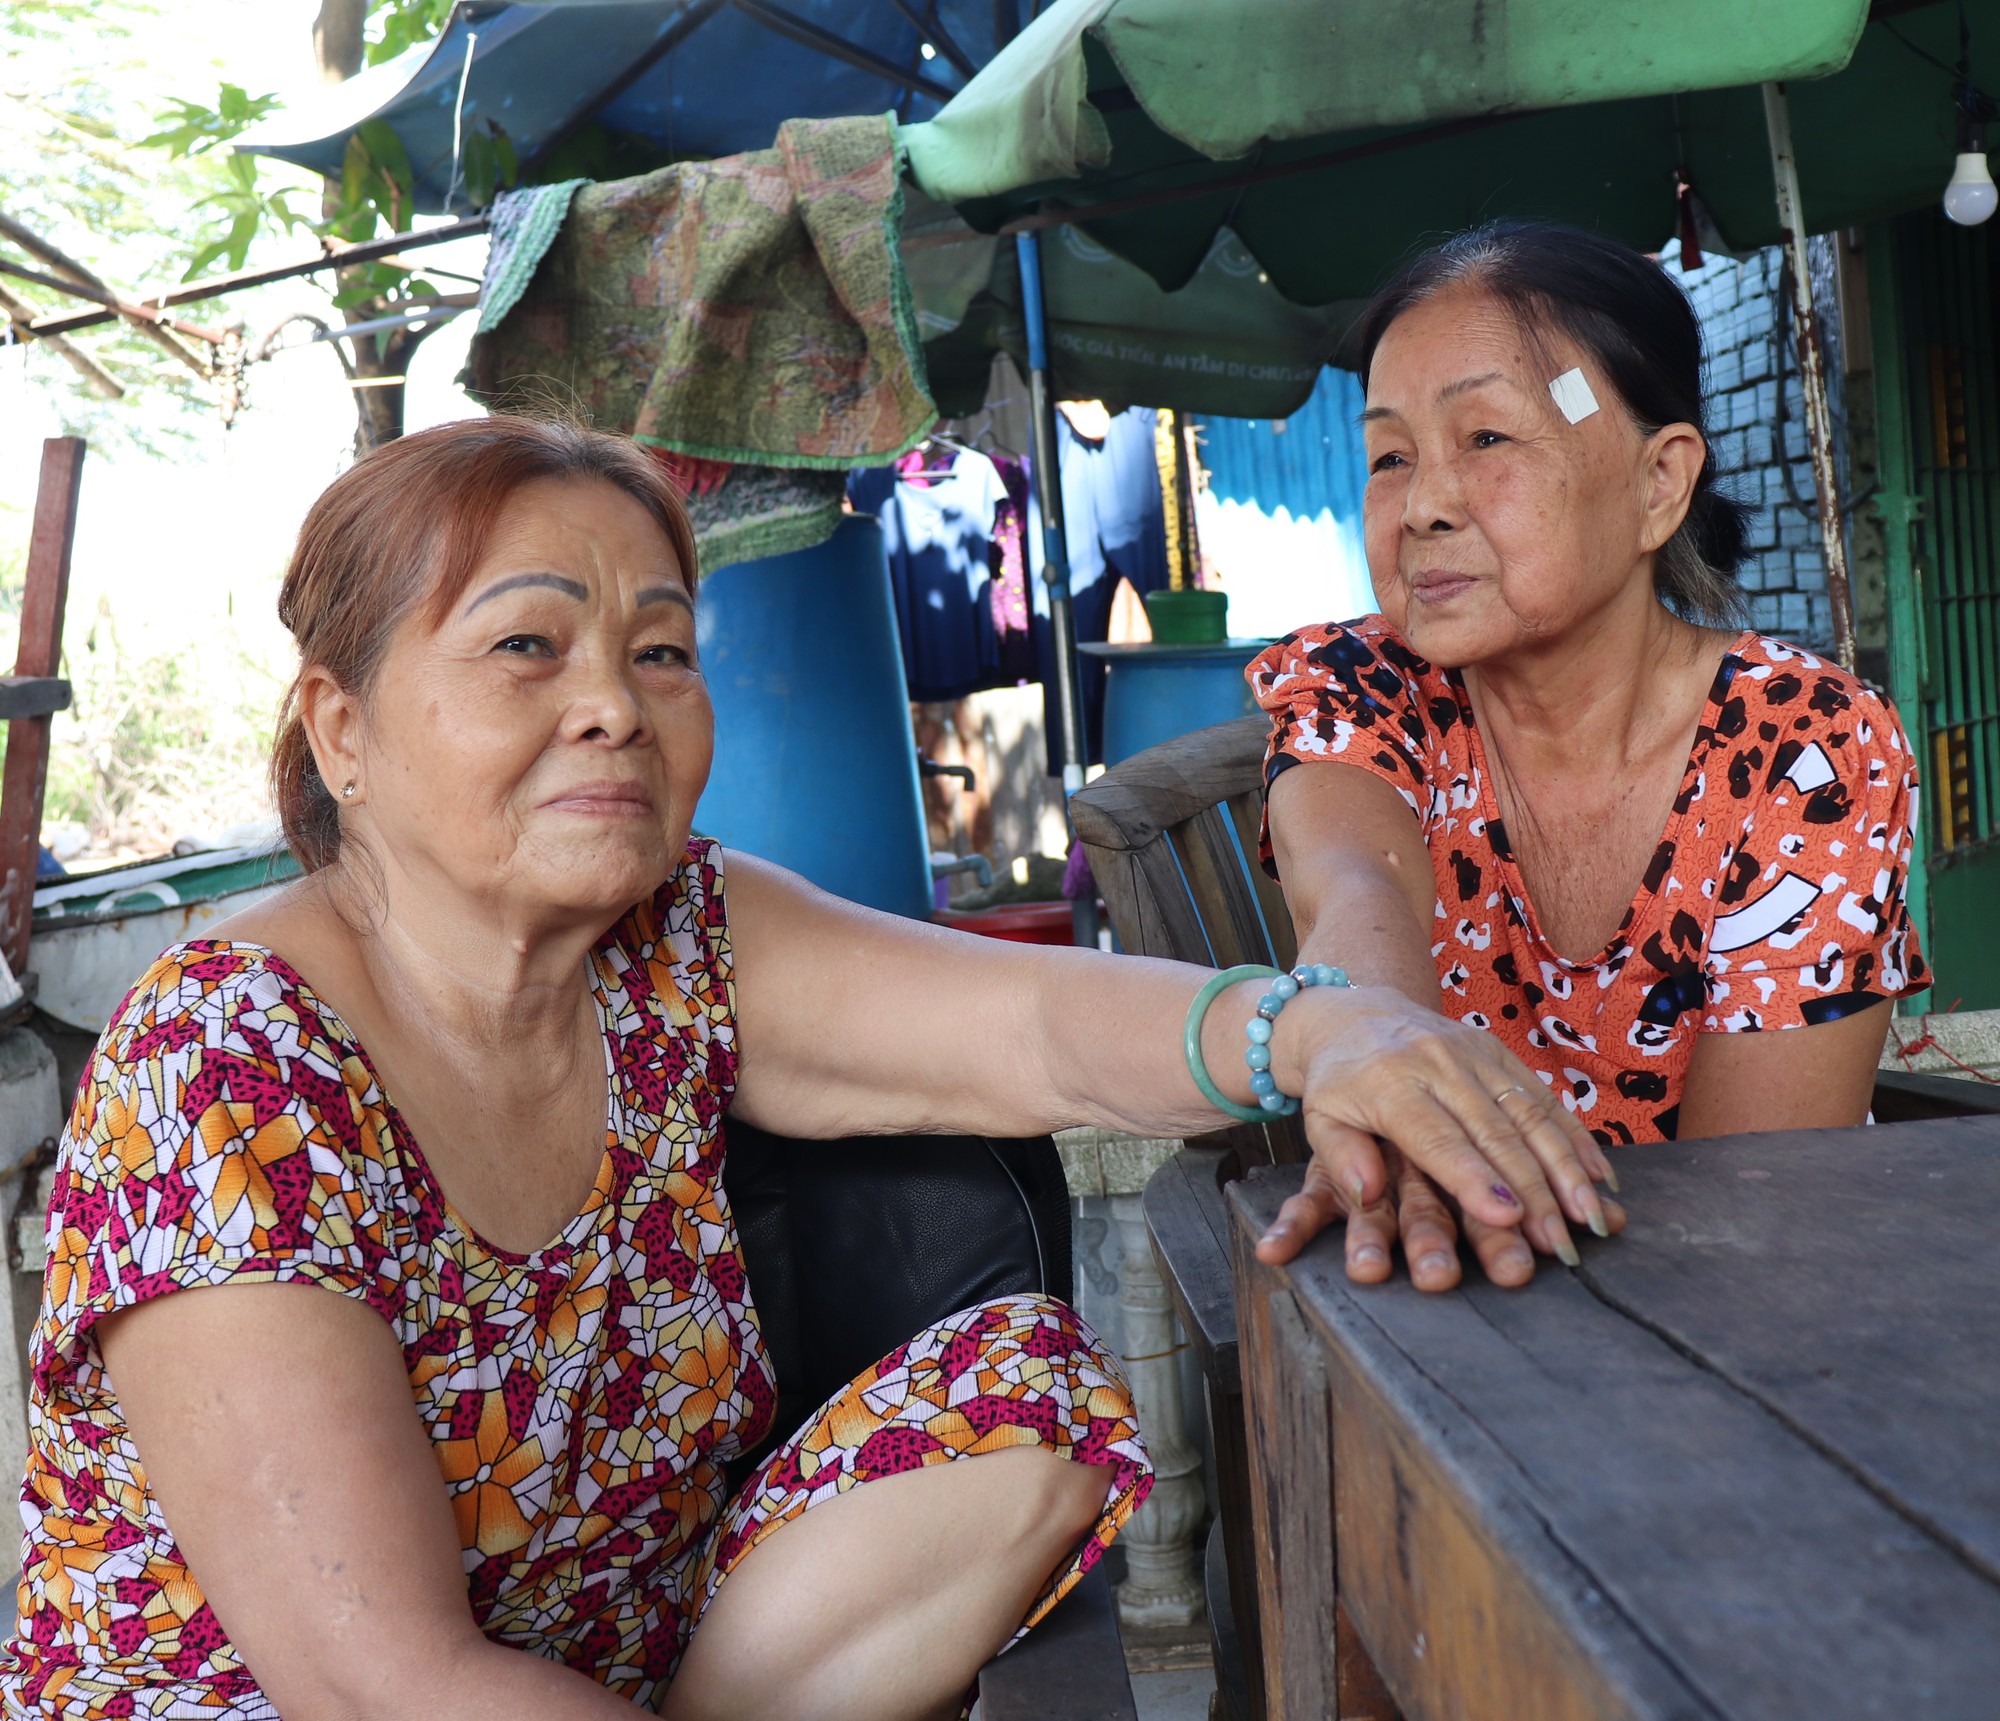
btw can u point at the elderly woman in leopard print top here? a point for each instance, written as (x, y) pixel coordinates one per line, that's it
(1555, 789)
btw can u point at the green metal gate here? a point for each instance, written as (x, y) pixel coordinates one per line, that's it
(1944, 600)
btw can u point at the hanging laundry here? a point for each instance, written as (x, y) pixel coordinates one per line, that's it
(1013, 608)
(1115, 526)
(937, 506)
(757, 511)
(750, 310)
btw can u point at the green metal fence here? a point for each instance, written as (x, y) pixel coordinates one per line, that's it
(1948, 607)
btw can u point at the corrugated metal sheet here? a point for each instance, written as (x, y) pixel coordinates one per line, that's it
(1282, 517)
(1307, 464)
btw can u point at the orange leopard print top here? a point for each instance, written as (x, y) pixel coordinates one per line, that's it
(1774, 899)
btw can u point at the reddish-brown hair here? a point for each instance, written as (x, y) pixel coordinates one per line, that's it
(400, 533)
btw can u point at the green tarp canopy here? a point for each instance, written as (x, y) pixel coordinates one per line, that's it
(1334, 136)
(1226, 342)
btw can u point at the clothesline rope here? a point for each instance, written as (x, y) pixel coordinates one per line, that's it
(1928, 1042)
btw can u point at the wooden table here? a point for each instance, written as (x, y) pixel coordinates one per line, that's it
(1744, 1463)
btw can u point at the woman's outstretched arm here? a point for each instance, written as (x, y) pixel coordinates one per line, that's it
(1357, 877)
(860, 1023)
(1362, 892)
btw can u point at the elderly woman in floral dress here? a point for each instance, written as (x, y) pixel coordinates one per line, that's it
(396, 1334)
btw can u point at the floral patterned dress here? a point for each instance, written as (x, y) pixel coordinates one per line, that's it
(1773, 900)
(582, 1399)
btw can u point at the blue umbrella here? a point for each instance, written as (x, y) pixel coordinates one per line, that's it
(686, 78)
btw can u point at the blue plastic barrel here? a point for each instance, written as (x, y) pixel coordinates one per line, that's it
(1154, 692)
(815, 760)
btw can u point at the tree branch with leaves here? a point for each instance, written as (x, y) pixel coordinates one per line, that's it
(375, 193)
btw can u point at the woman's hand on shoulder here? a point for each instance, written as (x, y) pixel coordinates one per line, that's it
(1447, 1101)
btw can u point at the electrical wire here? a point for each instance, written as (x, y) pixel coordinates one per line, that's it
(458, 121)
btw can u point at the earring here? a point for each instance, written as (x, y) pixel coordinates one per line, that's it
(347, 791)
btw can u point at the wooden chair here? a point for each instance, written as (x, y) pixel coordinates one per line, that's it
(1172, 838)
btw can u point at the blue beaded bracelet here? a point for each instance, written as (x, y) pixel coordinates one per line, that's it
(1257, 1054)
(1284, 987)
(1191, 1040)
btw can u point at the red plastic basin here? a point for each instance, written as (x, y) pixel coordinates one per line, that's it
(1020, 923)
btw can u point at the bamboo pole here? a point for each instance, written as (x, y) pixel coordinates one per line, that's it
(1812, 369)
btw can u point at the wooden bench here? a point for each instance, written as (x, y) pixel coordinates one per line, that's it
(1171, 834)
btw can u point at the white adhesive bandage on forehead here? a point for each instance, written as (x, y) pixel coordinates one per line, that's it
(1571, 393)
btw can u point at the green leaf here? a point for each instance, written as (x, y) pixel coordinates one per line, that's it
(402, 24)
(354, 170)
(351, 225)
(242, 234)
(480, 165)
(388, 152)
(189, 128)
(503, 150)
(204, 257)
(183, 126)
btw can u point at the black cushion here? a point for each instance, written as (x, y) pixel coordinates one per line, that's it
(853, 1246)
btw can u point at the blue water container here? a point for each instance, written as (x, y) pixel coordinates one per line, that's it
(1157, 691)
(815, 760)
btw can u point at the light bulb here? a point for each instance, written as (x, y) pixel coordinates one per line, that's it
(1971, 197)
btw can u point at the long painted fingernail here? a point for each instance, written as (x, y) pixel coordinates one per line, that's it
(1611, 1178)
(1566, 1251)
(1502, 1193)
(1357, 1186)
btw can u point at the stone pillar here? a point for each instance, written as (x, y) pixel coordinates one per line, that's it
(1161, 1586)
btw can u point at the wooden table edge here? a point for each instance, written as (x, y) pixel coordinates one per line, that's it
(1466, 1493)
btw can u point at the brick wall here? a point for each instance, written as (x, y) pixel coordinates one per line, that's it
(1760, 438)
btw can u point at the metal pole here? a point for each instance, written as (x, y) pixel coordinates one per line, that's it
(1043, 448)
(44, 599)
(1812, 369)
(1900, 507)
(368, 251)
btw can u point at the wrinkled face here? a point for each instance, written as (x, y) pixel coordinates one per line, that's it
(1493, 523)
(544, 748)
